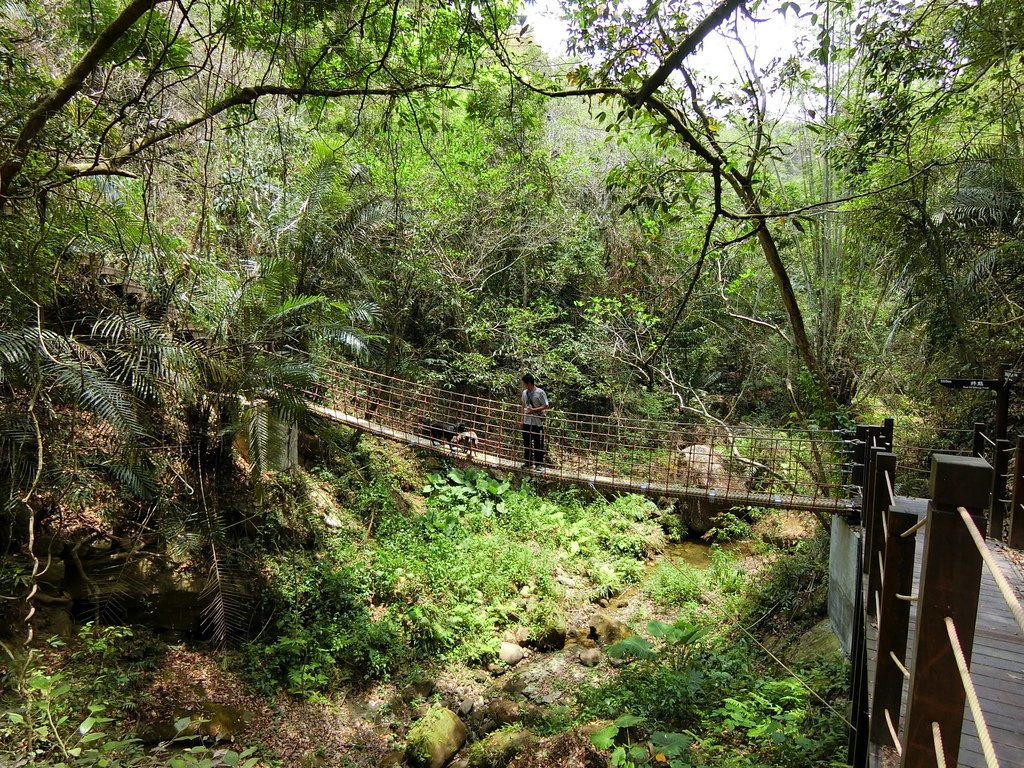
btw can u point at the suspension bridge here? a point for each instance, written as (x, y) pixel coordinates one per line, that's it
(729, 465)
(916, 614)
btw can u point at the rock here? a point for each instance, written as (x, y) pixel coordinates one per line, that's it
(392, 759)
(566, 581)
(471, 704)
(511, 653)
(515, 685)
(496, 670)
(819, 642)
(499, 749)
(54, 573)
(606, 629)
(590, 657)
(333, 522)
(518, 635)
(435, 738)
(551, 638)
(701, 466)
(504, 712)
(525, 591)
(419, 689)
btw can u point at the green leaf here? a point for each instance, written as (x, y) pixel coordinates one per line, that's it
(628, 721)
(604, 738)
(637, 647)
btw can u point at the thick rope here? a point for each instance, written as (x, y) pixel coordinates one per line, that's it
(1012, 601)
(972, 696)
(914, 528)
(898, 663)
(940, 753)
(888, 483)
(892, 733)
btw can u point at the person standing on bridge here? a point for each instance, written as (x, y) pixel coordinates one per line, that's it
(535, 402)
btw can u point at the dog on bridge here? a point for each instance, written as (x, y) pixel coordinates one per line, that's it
(440, 433)
(465, 441)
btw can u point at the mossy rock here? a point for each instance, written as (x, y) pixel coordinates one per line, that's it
(500, 748)
(435, 738)
(819, 643)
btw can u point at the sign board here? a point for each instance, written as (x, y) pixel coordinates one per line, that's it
(972, 383)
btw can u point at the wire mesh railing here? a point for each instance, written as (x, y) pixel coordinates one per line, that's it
(741, 465)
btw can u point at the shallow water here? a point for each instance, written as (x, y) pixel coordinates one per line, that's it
(697, 554)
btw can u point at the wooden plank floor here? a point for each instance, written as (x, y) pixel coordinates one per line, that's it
(997, 667)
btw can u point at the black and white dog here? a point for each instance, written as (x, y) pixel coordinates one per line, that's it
(439, 433)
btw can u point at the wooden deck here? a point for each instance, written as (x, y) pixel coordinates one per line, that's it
(623, 484)
(997, 667)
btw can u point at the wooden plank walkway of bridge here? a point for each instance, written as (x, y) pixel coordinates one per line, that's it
(997, 666)
(623, 484)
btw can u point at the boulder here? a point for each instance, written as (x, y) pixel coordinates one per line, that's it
(435, 738)
(701, 466)
(606, 629)
(590, 657)
(504, 712)
(552, 637)
(500, 748)
(511, 653)
(817, 643)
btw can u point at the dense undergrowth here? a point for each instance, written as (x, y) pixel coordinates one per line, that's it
(402, 570)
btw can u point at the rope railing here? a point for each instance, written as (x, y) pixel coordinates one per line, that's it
(1012, 602)
(972, 695)
(940, 753)
(789, 468)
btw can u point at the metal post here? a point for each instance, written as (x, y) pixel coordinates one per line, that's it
(1016, 537)
(949, 587)
(998, 502)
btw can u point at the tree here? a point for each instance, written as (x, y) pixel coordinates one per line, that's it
(640, 61)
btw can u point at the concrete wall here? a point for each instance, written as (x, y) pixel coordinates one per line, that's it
(844, 580)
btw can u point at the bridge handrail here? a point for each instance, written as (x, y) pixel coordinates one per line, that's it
(753, 465)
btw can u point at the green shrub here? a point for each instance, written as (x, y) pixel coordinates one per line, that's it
(323, 630)
(674, 585)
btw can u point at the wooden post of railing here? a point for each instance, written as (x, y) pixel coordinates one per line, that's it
(888, 426)
(882, 463)
(1016, 537)
(949, 587)
(893, 625)
(998, 513)
(860, 444)
(868, 439)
